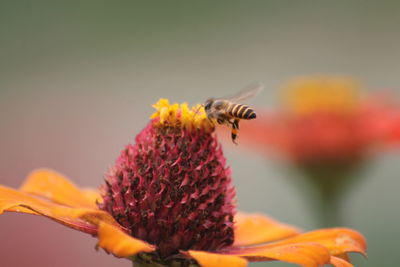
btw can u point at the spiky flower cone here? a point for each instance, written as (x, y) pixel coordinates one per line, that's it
(172, 187)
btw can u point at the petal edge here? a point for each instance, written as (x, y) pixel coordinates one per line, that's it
(115, 241)
(85, 220)
(338, 262)
(56, 187)
(304, 254)
(251, 229)
(209, 259)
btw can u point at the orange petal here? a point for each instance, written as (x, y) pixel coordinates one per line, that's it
(253, 229)
(208, 259)
(114, 240)
(338, 262)
(337, 240)
(92, 195)
(85, 220)
(52, 185)
(303, 254)
(344, 256)
(5, 205)
(309, 249)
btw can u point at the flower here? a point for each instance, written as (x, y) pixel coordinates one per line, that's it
(325, 120)
(169, 200)
(327, 131)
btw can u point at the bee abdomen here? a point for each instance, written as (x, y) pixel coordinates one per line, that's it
(241, 112)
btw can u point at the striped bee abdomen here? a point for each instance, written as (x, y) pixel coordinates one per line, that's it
(241, 111)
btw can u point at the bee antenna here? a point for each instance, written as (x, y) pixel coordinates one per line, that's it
(198, 109)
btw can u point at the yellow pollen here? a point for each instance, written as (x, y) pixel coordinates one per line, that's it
(181, 114)
(321, 93)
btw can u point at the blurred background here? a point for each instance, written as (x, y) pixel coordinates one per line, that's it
(77, 80)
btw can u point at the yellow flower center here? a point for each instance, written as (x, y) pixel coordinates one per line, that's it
(323, 93)
(181, 115)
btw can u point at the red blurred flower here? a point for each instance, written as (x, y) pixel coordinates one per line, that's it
(169, 201)
(325, 120)
(327, 131)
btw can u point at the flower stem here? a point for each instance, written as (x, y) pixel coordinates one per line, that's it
(329, 183)
(327, 207)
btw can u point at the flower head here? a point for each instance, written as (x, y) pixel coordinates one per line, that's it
(169, 200)
(306, 95)
(172, 187)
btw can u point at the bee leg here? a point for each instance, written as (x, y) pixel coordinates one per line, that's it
(236, 123)
(235, 130)
(220, 121)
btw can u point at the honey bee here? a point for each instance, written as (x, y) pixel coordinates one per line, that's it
(229, 111)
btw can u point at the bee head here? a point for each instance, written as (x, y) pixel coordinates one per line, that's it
(208, 104)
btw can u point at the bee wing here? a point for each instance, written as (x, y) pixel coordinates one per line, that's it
(247, 93)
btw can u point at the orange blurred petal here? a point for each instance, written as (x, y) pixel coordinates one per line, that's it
(253, 229)
(85, 220)
(309, 249)
(337, 240)
(56, 187)
(114, 240)
(208, 259)
(303, 254)
(344, 256)
(338, 262)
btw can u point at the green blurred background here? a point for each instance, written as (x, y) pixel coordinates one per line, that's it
(77, 80)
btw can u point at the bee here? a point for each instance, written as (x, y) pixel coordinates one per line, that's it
(229, 111)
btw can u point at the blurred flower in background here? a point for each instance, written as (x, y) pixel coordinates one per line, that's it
(169, 201)
(328, 131)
